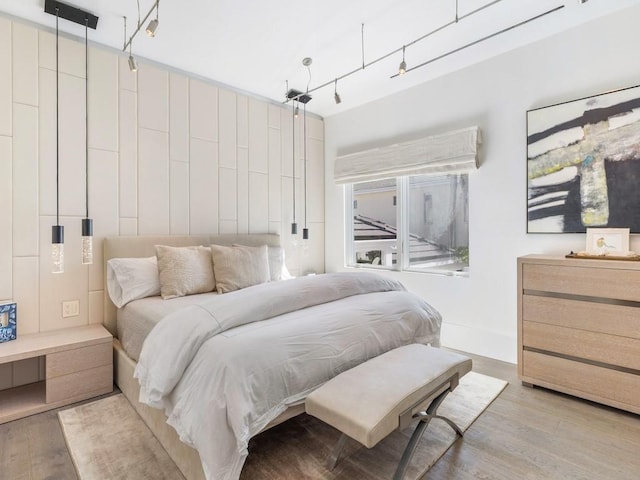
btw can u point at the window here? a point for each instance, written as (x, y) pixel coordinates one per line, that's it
(417, 223)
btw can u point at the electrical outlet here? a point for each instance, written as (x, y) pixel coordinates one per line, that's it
(71, 308)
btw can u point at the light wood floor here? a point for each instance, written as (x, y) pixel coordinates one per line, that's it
(525, 434)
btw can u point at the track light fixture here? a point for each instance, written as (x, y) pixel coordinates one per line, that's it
(133, 66)
(336, 95)
(403, 65)
(153, 24)
(151, 29)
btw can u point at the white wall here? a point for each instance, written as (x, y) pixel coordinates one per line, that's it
(168, 154)
(480, 311)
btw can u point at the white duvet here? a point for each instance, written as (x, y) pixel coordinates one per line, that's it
(224, 369)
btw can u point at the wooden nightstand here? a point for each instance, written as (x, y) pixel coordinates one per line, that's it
(78, 365)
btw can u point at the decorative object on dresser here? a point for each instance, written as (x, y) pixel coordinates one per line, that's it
(582, 164)
(8, 320)
(579, 328)
(78, 365)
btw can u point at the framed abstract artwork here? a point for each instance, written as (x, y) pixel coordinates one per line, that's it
(583, 164)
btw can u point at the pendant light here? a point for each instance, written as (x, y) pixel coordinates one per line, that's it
(57, 231)
(307, 61)
(87, 223)
(294, 225)
(305, 230)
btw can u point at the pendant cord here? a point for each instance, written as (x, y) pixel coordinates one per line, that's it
(86, 114)
(57, 128)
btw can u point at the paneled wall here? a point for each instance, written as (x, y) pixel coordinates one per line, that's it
(168, 154)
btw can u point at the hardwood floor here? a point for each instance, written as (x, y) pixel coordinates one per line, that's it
(524, 434)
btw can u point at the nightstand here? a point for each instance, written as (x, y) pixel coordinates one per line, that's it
(78, 366)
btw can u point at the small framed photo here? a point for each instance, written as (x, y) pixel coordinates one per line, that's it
(8, 319)
(608, 241)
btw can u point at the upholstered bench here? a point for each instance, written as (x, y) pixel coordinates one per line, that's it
(386, 393)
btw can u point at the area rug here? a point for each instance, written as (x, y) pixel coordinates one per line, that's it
(298, 448)
(107, 440)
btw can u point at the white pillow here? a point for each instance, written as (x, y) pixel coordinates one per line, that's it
(239, 266)
(277, 266)
(132, 278)
(184, 271)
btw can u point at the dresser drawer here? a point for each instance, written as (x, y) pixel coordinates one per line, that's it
(591, 282)
(615, 388)
(596, 317)
(83, 384)
(78, 359)
(598, 347)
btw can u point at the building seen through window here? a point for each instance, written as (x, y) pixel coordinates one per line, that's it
(424, 216)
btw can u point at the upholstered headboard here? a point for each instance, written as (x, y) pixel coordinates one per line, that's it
(144, 246)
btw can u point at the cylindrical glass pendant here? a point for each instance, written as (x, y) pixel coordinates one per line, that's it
(57, 249)
(87, 241)
(87, 250)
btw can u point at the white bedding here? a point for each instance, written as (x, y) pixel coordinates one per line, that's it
(222, 370)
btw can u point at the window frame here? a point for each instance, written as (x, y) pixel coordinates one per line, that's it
(402, 264)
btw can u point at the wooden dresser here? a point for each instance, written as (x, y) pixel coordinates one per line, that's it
(579, 327)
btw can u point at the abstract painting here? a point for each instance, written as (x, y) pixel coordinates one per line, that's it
(583, 164)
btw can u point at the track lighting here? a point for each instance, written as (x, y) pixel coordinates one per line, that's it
(402, 68)
(403, 65)
(152, 27)
(133, 66)
(336, 95)
(153, 24)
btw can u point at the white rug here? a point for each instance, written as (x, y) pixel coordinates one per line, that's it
(107, 440)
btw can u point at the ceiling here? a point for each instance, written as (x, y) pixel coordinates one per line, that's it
(257, 46)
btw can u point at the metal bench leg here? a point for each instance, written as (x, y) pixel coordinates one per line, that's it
(335, 453)
(425, 419)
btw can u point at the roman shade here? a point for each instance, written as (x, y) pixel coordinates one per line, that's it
(451, 152)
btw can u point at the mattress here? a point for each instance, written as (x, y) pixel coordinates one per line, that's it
(136, 319)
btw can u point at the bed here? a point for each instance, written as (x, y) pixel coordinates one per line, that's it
(288, 317)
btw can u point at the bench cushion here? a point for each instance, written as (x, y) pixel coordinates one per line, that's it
(366, 401)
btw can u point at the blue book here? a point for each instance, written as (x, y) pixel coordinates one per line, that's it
(8, 318)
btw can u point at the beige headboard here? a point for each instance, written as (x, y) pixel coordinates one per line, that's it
(144, 246)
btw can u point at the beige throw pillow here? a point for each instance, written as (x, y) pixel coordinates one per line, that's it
(239, 266)
(184, 271)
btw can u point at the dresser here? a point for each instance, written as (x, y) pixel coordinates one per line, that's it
(579, 327)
